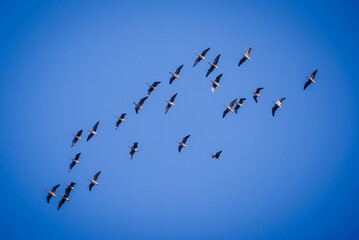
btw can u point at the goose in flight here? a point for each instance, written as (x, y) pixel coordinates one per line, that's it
(93, 131)
(245, 56)
(152, 87)
(62, 201)
(311, 79)
(201, 57)
(69, 188)
(239, 104)
(133, 149)
(74, 161)
(51, 193)
(256, 94)
(170, 103)
(229, 108)
(215, 82)
(94, 180)
(183, 143)
(217, 155)
(76, 137)
(213, 65)
(175, 75)
(277, 104)
(120, 119)
(139, 104)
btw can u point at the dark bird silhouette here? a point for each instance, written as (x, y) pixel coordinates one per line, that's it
(216, 155)
(175, 75)
(311, 79)
(94, 180)
(152, 87)
(93, 131)
(229, 108)
(277, 104)
(213, 65)
(170, 103)
(139, 104)
(120, 119)
(256, 94)
(215, 82)
(133, 149)
(76, 137)
(62, 201)
(74, 161)
(51, 193)
(239, 104)
(201, 57)
(245, 56)
(183, 143)
(69, 188)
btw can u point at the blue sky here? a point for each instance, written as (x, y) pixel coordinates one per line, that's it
(65, 65)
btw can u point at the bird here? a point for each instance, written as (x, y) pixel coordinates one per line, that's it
(51, 193)
(120, 119)
(93, 131)
(229, 108)
(183, 143)
(76, 137)
(139, 104)
(170, 103)
(94, 180)
(311, 79)
(216, 155)
(175, 75)
(239, 104)
(245, 56)
(133, 149)
(74, 161)
(215, 82)
(256, 94)
(201, 57)
(152, 87)
(62, 201)
(69, 188)
(277, 104)
(213, 65)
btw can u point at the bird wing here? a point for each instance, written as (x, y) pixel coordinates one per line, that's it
(90, 186)
(77, 156)
(89, 136)
(205, 52)
(67, 191)
(213, 87)
(274, 109)
(242, 61)
(155, 84)
(123, 115)
(307, 84)
(218, 153)
(172, 79)
(225, 112)
(179, 69)
(196, 61)
(54, 188)
(184, 140)
(96, 176)
(209, 70)
(216, 59)
(255, 99)
(259, 89)
(95, 127)
(131, 153)
(71, 166)
(173, 98)
(135, 144)
(281, 100)
(233, 102)
(79, 133)
(167, 108)
(149, 91)
(142, 101)
(218, 78)
(118, 123)
(136, 109)
(60, 204)
(249, 51)
(180, 148)
(314, 73)
(49, 196)
(242, 100)
(236, 108)
(74, 141)
(72, 184)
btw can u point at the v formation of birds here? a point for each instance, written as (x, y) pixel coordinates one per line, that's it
(234, 106)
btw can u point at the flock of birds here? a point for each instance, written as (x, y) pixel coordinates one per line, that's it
(232, 107)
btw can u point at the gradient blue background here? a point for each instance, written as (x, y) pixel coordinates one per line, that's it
(66, 64)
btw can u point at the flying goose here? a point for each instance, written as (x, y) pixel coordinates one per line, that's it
(311, 79)
(74, 161)
(120, 119)
(239, 104)
(94, 180)
(216, 155)
(51, 193)
(213, 65)
(62, 201)
(201, 57)
(152, 87)
(256, 94)
(183, 143)
(93, 131)
(139, 104)
(215, 82)
(175, 75)
(229, 108)
(76, 137)
(133, 149)
(277, 104)
(170, 103)
(69, 188)
(245, 56)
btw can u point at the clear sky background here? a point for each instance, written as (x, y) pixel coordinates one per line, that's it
(64, 65)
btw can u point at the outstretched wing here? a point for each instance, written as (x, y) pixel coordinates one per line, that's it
(258, 90)
(233, 102)
(205, 52)
(216, 59)
(54, 188)
(91, 186)
(242, 100)
(180, 148)
(179, 69)
(95, 127)
(196, 61)
(241, 61)
(123, 115)
(71, 166)
(77, 156)
(209, 70)
(281, 100)
(314, 73)
(155, 84)
(218, 78)
(79, 133)
(96, 176)
(131, 153)
(172, 79)
(118, 123)
(249, 51)
(74, 141)
(236, 108)
(184, 140)
(167, 108)
(60, 204)
(142, 101)
(213, 87)
(225, 112)
(135, 144)
(274, 109)
(255, 99)
(49, 196)
(89, 136)
(307, 84)
(173, 98)
(218, 153)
